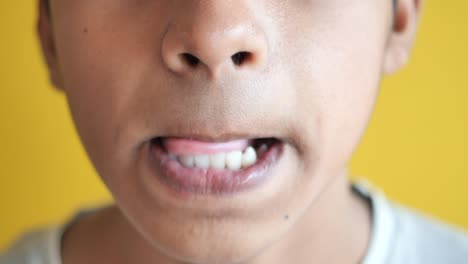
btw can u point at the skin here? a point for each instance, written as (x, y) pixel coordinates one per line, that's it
(311, 80)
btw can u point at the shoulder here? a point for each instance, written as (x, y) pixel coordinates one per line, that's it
(404, 235)
(422, 239)
(44, 245)
(36, 247)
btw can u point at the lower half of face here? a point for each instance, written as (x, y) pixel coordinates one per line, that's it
(206, 166)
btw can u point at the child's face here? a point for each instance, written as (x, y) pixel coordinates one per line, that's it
(310, 82)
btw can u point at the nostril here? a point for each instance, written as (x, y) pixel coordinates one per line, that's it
(190, 59)
(241, 57)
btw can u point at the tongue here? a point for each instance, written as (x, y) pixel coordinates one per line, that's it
(181, 146)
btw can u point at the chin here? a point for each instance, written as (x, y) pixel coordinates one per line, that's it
(217, 244)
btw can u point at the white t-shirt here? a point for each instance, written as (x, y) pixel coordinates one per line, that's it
(399, 236)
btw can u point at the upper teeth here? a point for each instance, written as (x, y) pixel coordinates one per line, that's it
(233, 160)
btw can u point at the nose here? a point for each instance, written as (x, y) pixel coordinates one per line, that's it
(213, 36)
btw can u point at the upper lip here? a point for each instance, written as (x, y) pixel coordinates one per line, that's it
(215, 133)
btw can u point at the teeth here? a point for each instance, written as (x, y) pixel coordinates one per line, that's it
(233, 160)
(218, 161)
(202, 161)
(249, 157)
(188, 161)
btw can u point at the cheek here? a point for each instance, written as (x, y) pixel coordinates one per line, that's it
(348, 90)
(337, 77)
(103, 57)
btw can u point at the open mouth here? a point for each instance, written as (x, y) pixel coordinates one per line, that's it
(206, 167)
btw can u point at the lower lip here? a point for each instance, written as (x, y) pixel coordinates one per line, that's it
(211, 181)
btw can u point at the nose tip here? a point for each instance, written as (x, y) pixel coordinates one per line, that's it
(213, 43)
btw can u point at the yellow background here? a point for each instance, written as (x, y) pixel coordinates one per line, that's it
(416, 147)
